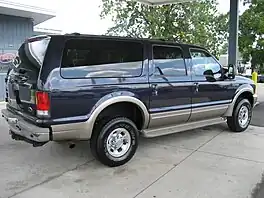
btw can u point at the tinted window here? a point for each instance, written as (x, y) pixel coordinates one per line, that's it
(30, 57)
(203, 61)
(86, 58)
(168, 61)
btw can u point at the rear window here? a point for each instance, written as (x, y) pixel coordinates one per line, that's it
(92, 58)
(31, 54)
(37, 49)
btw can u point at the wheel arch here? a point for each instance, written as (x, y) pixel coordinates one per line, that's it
(245, 91)
(105, 103)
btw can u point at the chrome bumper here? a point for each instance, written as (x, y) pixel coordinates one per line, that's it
(21, 129)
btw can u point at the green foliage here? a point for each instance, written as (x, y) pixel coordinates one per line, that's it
(195, 22)
(251, 38)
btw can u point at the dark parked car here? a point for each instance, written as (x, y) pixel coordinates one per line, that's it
(261, 78)
(111, 90)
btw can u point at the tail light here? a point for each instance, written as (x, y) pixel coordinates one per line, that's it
(43, 104)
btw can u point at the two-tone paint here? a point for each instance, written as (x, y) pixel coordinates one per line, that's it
(167, 105)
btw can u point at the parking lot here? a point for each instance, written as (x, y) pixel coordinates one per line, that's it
(208, 162)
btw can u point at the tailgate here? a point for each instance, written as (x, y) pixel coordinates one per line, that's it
(22, 79)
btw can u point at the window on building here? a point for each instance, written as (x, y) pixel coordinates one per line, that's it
(203, 61)
(88, 58)
(168, 61)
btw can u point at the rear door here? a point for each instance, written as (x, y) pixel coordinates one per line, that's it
(170, 102)
(23, 77)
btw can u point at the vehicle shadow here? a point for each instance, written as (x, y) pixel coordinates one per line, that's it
(194, 137)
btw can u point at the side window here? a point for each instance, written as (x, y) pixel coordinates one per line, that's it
(203, 61)
(88, 58)
(168, 61)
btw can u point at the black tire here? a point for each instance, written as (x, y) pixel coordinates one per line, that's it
(100, 136)
(233, 122)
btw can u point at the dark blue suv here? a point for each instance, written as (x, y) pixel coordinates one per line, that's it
(110, 90)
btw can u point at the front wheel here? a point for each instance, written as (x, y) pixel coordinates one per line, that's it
(114, 143)
(241, 117)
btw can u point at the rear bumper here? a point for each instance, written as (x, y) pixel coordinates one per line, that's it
(21, 129)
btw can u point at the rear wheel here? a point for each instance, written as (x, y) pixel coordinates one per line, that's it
(115, 142)
(241, 117)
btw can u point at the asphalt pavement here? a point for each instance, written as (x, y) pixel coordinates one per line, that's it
(258, 191)
(258, 116)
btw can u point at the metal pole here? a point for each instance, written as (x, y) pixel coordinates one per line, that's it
(233, 33)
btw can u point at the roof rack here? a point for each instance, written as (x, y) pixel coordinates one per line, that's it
(74, 33)
(167, 40)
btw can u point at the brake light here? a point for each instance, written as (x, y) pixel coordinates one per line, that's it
(43, 103)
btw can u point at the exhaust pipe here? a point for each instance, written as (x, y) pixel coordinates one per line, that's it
(71, 145)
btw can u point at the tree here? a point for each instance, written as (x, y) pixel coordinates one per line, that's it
(251, 37)
(195, 22)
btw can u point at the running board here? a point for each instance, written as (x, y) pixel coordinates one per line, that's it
(149, 133)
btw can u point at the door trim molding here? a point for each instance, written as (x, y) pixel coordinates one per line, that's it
(167, 114)
(209, 108)
(169, 109)
(188, 107)
(211, 104)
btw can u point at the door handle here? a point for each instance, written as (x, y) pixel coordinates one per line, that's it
(196, 87)
(154, 89)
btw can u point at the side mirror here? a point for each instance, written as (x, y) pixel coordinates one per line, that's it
(231, 71)
(209, 75)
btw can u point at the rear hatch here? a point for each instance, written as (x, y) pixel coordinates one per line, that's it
(22, 78)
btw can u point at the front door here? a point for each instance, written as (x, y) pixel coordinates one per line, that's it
(210, 99)
(170, 102)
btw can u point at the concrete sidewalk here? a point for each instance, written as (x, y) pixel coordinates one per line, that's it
(209, 162)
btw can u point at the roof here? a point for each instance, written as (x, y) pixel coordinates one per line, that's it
(37, 14)
(161, 2)
(157, 41)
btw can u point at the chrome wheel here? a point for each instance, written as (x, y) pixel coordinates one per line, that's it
(243, 116)
(118, 142)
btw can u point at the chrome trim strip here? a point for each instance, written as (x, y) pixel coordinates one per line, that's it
(185, 111)
(165, 130)
(213, 103)
(179, 117)
(169, 114)
(189, 106)
(168, 109)
(209, 108)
